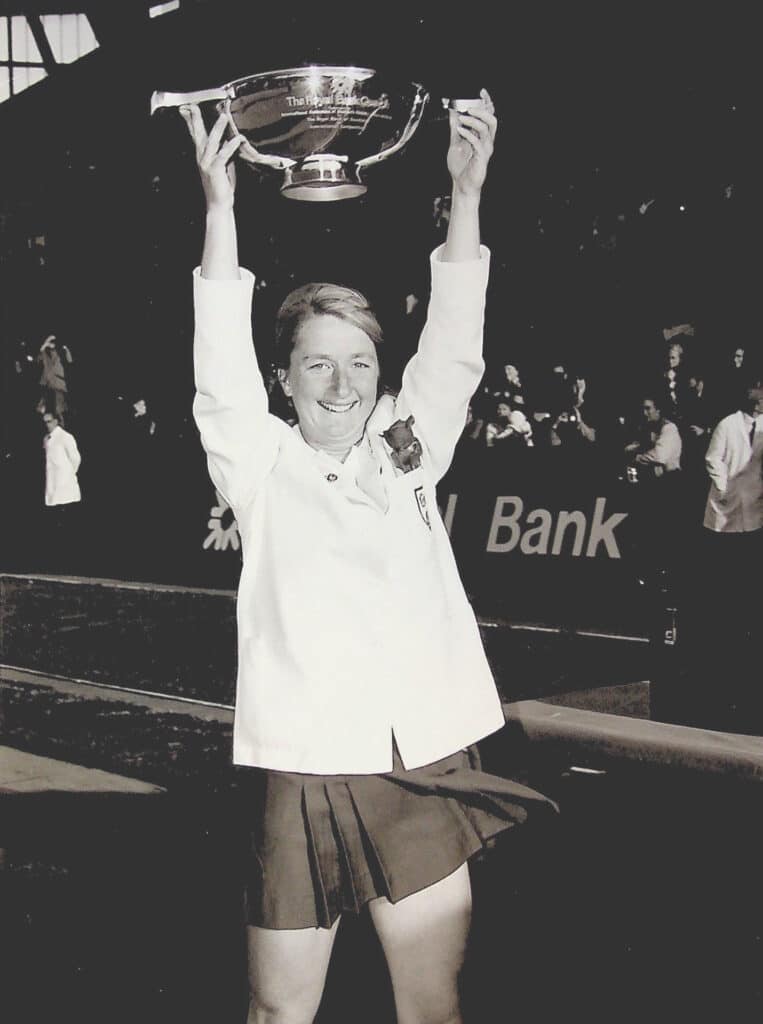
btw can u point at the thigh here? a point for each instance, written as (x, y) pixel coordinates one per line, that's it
(424, 940)
(287, 970)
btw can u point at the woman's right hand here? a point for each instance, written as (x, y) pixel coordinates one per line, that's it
(213, 157)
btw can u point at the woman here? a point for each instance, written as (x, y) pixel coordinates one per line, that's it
(362, 681)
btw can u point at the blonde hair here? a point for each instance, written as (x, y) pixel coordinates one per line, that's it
(321, 299)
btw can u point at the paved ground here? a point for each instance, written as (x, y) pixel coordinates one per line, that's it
(644, 901)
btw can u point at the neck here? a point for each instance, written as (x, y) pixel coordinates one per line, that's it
(340, 450)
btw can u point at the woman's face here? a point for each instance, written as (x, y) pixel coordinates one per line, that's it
(332, 380)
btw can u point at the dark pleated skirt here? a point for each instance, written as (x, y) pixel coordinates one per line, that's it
(325, 844)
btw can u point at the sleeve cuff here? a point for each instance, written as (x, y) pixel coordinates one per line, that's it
(205, 284)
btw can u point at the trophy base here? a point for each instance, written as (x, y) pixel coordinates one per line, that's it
(321, 179)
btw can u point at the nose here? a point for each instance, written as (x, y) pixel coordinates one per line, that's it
(340, 382)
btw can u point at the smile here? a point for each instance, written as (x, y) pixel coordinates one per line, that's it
(331, 407)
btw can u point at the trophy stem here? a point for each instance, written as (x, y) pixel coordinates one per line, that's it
(322, 178)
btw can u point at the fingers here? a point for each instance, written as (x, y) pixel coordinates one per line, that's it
(213, 141)
(476, 132)
(192, 117)
(209, 151)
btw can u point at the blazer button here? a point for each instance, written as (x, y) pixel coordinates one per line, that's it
(332, 477)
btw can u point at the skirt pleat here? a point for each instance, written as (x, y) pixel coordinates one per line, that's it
(325, 845)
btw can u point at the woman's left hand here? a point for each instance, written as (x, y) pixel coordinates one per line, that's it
(472, 136)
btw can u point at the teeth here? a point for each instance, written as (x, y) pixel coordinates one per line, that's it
(337, 408)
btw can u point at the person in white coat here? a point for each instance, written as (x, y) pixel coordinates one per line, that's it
(733, 519)
(362, 683)
(62, 496)
(733, 462)
(62, 462)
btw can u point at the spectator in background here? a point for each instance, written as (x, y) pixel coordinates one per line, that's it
(508, 426)
(550, 398)
(658, 448)
(733, 461)
(732, 378)
(509, 387)
(62, 490)
(62, 462)
(729, 602)
(674, 380)
(574, 424)
(53, 384)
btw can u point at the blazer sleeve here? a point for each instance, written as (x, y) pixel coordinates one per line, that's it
(231, 404)
(448, 365)
(715, 457)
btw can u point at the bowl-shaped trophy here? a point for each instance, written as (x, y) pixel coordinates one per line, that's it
(319, 126)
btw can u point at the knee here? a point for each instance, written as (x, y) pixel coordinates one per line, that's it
(429, 1004)
(297, 1009)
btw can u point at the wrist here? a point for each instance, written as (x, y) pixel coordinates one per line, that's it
(465, 199)
(220, 210)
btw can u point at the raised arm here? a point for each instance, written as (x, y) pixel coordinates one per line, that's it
(472, 135)
(446, 370)
(231, 404)
(219, 261)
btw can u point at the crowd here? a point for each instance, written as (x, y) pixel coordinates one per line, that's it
(663, 421)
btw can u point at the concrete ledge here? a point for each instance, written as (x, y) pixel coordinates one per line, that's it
(592, 737)
(21, 772)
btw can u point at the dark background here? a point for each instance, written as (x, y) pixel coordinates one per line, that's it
(602, 110)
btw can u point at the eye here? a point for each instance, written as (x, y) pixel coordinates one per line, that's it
(361, 365)
(318, 366)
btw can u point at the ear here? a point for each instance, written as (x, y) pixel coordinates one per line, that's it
(409, 422)
(283, 380)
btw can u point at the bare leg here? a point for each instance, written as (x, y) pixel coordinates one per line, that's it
(287, 973)
(424, 940)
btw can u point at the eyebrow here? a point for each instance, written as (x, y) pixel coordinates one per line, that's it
(325, 355)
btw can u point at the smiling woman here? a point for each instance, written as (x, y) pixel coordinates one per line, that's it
(332, 379)
(362, 682)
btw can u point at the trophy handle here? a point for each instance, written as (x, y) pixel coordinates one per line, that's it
(179, 99)
(247, 152)
(417, 111)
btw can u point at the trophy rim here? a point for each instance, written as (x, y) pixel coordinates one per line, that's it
(300, 71)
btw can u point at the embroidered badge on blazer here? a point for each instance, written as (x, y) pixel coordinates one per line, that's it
(406, 447)
(421, 501)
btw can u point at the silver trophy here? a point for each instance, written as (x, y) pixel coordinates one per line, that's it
(320, 127)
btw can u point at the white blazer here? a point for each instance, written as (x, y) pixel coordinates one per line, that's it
(735, 500)
(352, 618)
(62, 460)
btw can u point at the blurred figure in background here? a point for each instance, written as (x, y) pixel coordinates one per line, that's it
(62, 492)
(53, 384)
(658, 447)
(727, 603)
(508, 426)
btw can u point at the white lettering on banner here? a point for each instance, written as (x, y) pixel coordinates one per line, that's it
(602, 530)
(503, 522)
(529, 545)
(506, 530)
(564, 520)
